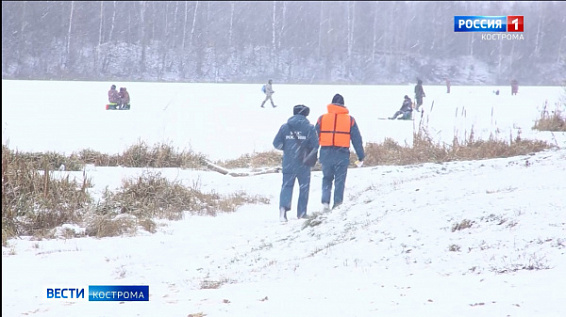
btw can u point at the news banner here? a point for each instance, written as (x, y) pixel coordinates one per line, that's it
(510, 27)
(100, 293)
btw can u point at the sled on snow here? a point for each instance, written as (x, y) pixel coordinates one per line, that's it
(404, 117)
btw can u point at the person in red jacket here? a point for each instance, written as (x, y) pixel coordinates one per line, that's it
(124, 99)
(113, 98)
(514, 87)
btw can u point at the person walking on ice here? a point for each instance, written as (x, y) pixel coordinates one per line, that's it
(419, 94)
(298, 140)
(336, 129)
(268, 90)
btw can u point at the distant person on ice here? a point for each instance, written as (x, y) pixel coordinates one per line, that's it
(124, 98)
(268, 93)
(419, 94)
(447, 85)
(113, 97)
(336, 129)
(514, 87)
(406, 109)
(299, 142)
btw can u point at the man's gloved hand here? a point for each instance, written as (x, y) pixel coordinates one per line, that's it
(359, 163)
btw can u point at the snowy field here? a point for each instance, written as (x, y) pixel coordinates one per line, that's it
(390, 250)
(225, 120)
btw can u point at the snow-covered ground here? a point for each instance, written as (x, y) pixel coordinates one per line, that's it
(392, 248)
(225, 120)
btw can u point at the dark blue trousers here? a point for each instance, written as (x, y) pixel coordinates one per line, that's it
(334, 171)
(286, 195)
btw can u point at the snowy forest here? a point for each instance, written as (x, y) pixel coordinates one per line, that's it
(292, 42)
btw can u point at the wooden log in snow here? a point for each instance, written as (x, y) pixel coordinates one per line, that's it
(225, 171)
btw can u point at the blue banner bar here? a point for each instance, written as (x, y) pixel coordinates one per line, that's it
(480, 23)
(118, 293)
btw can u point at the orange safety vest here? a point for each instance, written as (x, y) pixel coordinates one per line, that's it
(335, 127)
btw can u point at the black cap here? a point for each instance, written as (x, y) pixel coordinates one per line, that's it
(301, 109)
(338, 100)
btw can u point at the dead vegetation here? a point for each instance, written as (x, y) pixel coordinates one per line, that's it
(425, 150)
(551, 120)
(34, 202)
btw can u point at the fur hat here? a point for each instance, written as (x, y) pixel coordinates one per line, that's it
(301, 109)
(338, 100)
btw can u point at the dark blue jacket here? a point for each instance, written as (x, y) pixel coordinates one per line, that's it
(287, 141)
(407, 105)
(419, 91)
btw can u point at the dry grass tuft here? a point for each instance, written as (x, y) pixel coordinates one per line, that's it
(255, 160)
(208, 284)
(152, 196)
(425, 150)
(464, 224)
(551, 121)
(160, 155)
(33, 200)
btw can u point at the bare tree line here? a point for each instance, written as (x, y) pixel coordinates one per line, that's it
(291, 41)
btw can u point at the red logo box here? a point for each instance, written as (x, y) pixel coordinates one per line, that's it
(515, 23)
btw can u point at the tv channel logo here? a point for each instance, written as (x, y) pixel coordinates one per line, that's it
(100, 293)
(65, 293)
(482, 23)
(118, 293)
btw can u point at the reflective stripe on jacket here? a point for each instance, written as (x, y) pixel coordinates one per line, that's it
(335, 127)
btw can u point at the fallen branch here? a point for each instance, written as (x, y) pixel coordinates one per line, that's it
(225, 171)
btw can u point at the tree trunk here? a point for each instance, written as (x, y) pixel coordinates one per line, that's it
(538, 37)
(185, 26)
(374, 42)
(499, 61)
(350, 20)
(282, 28)
(97, 58)
(194, 22)
(143, 35)
(112, 23)
(21, 37)
(273, 25)
(320, 25)
(69, 33)
(231, 29)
